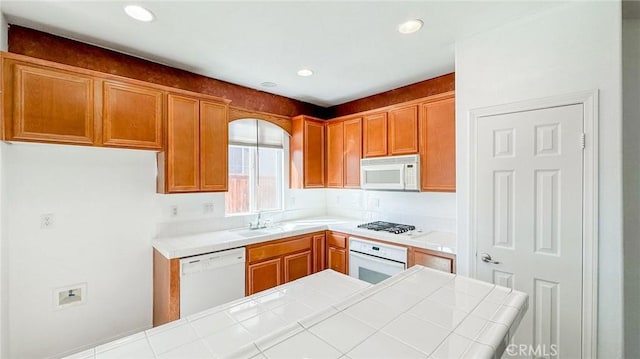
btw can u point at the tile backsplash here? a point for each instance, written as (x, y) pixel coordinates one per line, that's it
(428, 210)
(180, 214)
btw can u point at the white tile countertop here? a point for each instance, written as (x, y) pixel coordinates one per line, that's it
(195, 244)
(419, 313)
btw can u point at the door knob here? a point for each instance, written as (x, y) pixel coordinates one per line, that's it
(486, 257)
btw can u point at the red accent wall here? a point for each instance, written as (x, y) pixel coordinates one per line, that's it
(49, 47)
(54, 48)
(441, 84)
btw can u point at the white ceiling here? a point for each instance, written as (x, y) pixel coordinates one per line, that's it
(353, 47)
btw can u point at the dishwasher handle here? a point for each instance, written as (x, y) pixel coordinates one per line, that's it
(211, 261)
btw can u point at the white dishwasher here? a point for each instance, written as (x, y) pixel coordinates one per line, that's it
(211, 279)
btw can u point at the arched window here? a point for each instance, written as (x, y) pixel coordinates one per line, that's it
(256, 170)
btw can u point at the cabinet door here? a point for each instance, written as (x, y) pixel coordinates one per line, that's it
(319, 253)
(337, 259)
(403, 130)
(313, 154)
(433, 260)
(213, 146)
(48, 105)
(335, 154)
(263, 275)
(336, 239)
(438, 146)
(131, 116)
(374, 135)
(352, 152)
(297, 265)
(183, 147)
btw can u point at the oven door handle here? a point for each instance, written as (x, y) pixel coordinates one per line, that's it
(375, 259)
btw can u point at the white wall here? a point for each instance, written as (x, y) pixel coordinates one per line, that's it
(569, 48)
(103, 203)
(431, 211)
(631, 187)
(106, 214)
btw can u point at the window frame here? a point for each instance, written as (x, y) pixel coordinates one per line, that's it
(281, 180)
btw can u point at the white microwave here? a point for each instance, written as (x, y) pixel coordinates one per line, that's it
(399, 173)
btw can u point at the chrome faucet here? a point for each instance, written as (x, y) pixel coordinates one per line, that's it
(259, 224)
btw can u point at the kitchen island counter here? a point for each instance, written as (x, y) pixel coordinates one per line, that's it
(419, 313)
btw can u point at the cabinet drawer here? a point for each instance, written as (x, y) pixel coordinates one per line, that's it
(433, 260)
(338, 240)
(278, 248)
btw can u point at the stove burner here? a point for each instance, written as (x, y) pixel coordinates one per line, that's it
(387, 227)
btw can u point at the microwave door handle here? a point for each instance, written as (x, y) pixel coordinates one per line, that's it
(403, 170)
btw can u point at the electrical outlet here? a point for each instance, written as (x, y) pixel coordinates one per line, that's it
(47, 220)
(174, 211)
(208, 208)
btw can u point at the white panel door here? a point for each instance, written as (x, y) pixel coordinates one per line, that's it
(529, 219)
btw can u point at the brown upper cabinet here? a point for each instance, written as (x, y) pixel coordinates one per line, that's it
(48, 105)
(195, 159)
(374, 135)
(403, 130)
(49, 102)
(307, 153)
(438, 145)
(352, 152)
(132, 116)
(344, 151)
(393, 132)
(335, 154)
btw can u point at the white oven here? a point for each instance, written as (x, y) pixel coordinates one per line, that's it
(400, 173)
(374, 262)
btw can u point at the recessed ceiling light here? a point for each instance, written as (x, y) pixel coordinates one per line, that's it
(139, 13)
(411, 26)
(305, 72)
(269, 84)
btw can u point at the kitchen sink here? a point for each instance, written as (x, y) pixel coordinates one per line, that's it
(248, 233)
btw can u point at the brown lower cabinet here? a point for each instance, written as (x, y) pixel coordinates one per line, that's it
(277, 262)
(445, 262)
(338, 252)
(272, 263)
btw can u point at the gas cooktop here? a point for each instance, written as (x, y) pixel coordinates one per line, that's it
(387, 227)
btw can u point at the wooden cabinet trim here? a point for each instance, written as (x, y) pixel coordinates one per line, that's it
(237, 113)
(166, 289)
